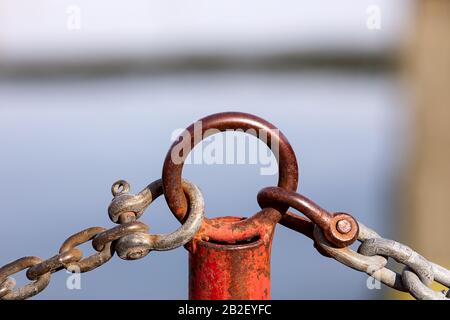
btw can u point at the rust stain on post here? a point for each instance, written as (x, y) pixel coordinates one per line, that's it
(230, 272)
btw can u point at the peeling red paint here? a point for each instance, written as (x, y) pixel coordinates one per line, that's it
(230, 271)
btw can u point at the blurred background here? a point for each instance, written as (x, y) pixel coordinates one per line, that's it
(91, 91)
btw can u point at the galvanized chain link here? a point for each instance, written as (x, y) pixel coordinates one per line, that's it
(372, 257)
(130, 239)
(329, 229)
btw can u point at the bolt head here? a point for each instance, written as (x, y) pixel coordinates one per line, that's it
(344, 226)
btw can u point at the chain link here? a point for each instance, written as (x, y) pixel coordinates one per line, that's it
(130, 239)
(54, 264)
(7, 286)
(372, 256)
(93, 261)
(28, 290)
(329, 231)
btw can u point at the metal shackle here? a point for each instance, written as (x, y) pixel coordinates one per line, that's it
(133, 240)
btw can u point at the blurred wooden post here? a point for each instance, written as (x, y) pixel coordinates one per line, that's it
(427, 215)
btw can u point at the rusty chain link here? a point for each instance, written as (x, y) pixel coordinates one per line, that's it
(130, 239)
(28, 290)
(373, 253)
(6, 286)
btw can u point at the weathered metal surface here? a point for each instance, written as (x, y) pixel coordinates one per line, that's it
(400, 253)
(125, 202)
(93, 261)
(298, 223)
(420, 291)
(372, 256)
(130, 239)
(230, 272)
(7, 286)
(28, 290)
(226, 262)
(113, 234)
(372, 265)
(341, 229)
(333, 233)
(219, 231)
(54, 263)
(418, 274)
(196, 210)
(133, 241)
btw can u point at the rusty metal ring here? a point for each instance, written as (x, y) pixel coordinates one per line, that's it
(30, 289)
(54, 263)
(224, 231)
(7, 286)
(108, 236)
(341, 229)
(93, 261)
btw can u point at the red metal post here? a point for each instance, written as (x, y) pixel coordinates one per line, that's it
(230, 271)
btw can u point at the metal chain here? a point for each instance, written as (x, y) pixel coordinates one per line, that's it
(372, 257)
(130, 239)
(329, 230)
